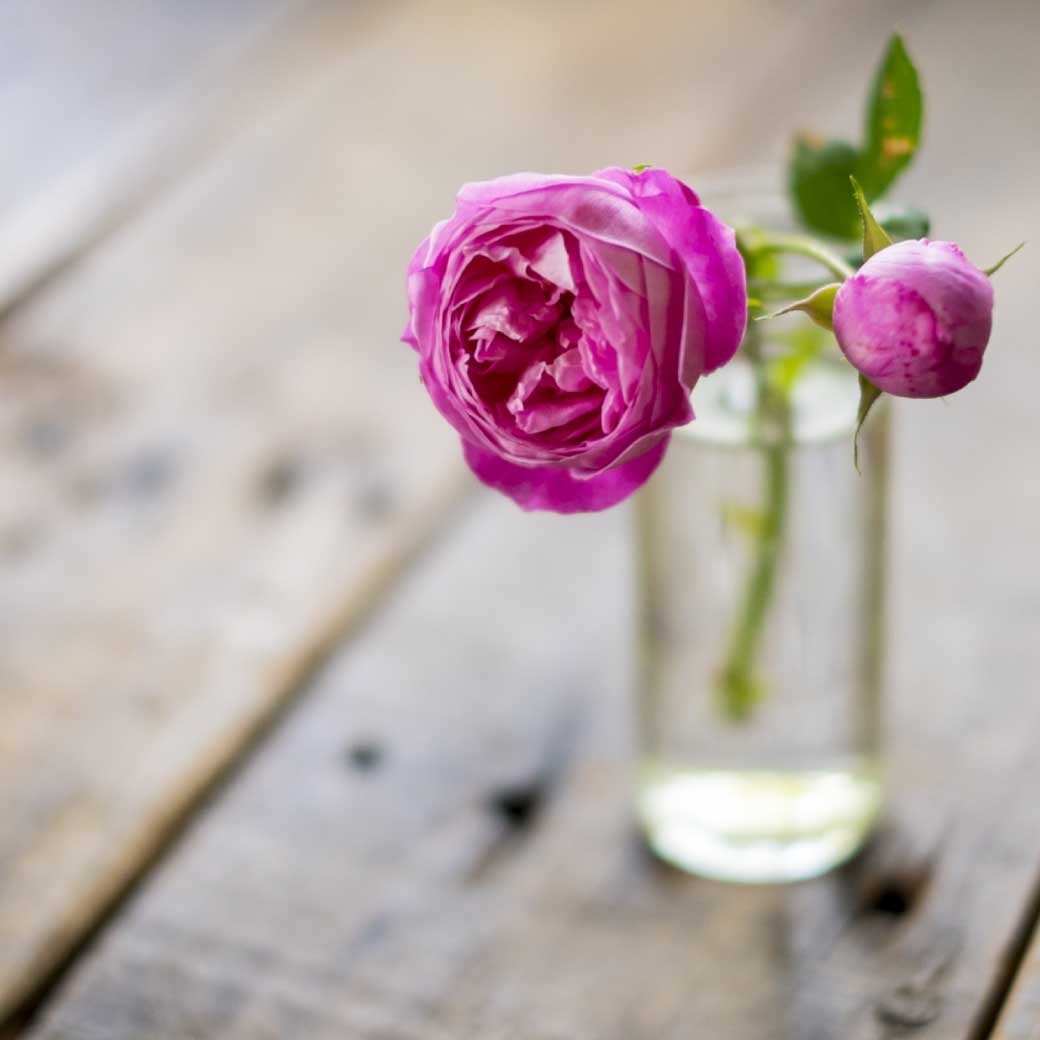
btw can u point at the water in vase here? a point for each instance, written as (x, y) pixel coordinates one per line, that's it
(760, 564)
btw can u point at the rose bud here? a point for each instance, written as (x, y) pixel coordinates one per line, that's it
(915, 319)
(561, 323)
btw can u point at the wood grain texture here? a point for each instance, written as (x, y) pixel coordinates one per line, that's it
(103, 103)
(437, 844)
(401, 892)
(207, 474)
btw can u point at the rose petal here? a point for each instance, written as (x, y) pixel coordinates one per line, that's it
(588, 206)
(560, 490)
(561, 323)
(708, 248)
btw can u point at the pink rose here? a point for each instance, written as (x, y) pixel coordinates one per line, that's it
(915, 319)
(561, 323)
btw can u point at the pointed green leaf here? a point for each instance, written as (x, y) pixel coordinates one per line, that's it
(894, 117)
(868, 394)
(899, 222)
(818, 181)
(818, 305)
(875, 238)
(641, 167)
(1002, 261)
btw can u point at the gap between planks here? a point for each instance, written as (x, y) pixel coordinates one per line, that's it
(98, 358)
(210, 775)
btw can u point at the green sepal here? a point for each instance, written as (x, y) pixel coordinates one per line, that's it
(894, 117)
(868, 395)
(990, 271)
(818, 181)
(642, 166)
(818, 305)
(875, 238)
(900, 222)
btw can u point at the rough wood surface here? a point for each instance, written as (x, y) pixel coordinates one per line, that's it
(103, 101)
(437, 843)
(207, 473)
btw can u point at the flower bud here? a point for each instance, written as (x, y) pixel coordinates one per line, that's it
(915, 319)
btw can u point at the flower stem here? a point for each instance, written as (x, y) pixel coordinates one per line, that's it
(765, 289)
(778, 242)
(739, 686)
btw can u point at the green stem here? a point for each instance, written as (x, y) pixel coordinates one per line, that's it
(777, 242)
(764, 289)
(738, 684)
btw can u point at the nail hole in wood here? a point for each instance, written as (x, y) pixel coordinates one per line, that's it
(364, 756)
(895, 894)
(517, 805)
(890, 900)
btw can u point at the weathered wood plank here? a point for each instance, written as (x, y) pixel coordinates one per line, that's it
(319, 900)
(87, 93)
(207, 474)
(387, 893)
(104, 102)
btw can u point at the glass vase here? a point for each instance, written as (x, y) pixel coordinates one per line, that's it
(759, 548)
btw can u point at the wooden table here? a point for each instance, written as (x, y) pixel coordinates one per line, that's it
(303, 737)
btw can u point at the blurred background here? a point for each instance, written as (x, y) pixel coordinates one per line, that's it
(218, 471)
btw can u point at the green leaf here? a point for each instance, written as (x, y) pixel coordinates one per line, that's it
(902, 222)
(818, 180)
(894, 117)
(641, 167)
(874, 236)
(990, 271)
(868, 394)
(818, 305)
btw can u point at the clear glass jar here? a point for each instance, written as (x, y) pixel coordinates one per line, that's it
(761, 580)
